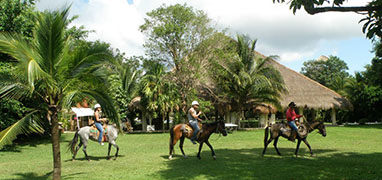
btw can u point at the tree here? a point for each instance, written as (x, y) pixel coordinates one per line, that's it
(17, 16)
(173, 34)
(247, 80)
(125, 81)
(325, 71)
(373, 19)
(158, 93)
(373, 73)
(49, 71)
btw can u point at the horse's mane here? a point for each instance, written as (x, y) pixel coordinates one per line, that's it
(206, 125)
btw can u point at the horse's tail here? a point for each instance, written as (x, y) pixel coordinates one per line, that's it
(266, 135)
(72, 144)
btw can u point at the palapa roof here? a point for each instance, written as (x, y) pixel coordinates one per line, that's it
(307, 92)
(135, 103)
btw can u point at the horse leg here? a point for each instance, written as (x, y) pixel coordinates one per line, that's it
(212, 149)
(298, 147)
(275, 145)
(200, 148)
(266, 145)
(181, 146)
(307, 144)
(76, 150)
(84, 149)
(172, 145)
(116, 147)
(108, 152)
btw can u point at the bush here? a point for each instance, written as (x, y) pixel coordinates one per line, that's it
(363, 121)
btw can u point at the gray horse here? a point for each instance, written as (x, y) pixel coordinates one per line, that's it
(84, 134)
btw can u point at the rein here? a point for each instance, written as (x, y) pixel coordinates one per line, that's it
(308, 123)
(217, 129)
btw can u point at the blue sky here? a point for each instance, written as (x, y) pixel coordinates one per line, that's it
(356, 52)
(294, 38)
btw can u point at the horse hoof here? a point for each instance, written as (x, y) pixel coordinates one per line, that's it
(170, 158)
(185, 157)
(115, 158)
(214, 157)
(73, 160)
(199, 157)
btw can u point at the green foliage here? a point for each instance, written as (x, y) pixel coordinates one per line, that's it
(329, 72)
(247, 80)
(373, 20)
(10, 110)
(174, 34)
(158, 93)
(124, 82)
(363, 121)
(51, 72)
(373, 73)
(16, 16)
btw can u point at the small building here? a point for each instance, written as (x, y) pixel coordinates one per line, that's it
(81, 117)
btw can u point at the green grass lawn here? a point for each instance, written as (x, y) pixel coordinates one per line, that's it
(346, 153)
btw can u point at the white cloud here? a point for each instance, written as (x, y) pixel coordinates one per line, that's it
(279, 32)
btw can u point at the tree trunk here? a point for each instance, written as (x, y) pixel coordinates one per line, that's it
(55, 143)
(168, 121)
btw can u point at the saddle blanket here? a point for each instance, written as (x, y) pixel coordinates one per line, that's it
(188, 131)
(94, 133)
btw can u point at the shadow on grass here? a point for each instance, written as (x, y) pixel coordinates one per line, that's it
(249, 164)
(34, 176)
(96, 158)
(29, 141)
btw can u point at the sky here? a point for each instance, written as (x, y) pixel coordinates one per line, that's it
(294, 38)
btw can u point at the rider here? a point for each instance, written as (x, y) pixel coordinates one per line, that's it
(291, 117)
(98, 122)
(193, 119)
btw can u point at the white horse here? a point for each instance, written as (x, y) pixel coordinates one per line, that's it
(84, 134)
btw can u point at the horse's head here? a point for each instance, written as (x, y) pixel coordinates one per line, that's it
(221, 128)
(321, 129)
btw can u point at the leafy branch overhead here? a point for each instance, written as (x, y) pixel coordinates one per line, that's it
(373, 12)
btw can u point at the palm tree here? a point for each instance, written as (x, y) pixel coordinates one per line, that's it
(125, 79)
(246, 80)
(159, 94)
(52, 72)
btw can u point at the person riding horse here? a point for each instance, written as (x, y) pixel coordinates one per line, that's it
(98, 122)
(193, 119)
(291, 117)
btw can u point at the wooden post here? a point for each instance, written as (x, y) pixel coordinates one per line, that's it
(227, 117)
(144, 123)
(333, 115)
(263, 120)
(301, 112)
(272, 120)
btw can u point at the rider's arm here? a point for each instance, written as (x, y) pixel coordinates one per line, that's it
(196, 116)
(96, 116)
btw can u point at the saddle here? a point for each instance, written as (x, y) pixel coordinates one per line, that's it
(286, 130)
(94, 133)
(188, 131)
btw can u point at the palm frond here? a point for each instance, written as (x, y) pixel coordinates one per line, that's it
(28, 124)
(106, 103)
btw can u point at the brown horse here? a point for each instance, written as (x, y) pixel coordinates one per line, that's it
(276, 133)
(182, 131)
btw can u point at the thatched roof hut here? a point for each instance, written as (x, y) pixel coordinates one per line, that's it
(307, 92)
(135, 103)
